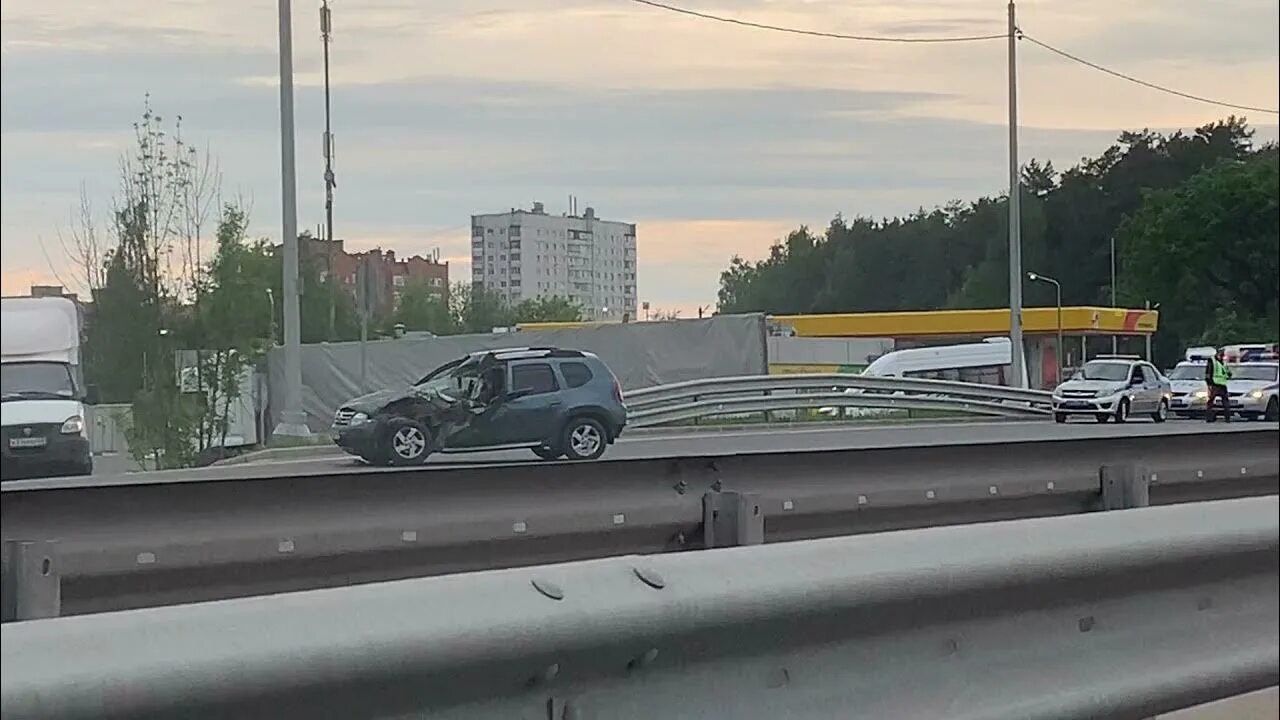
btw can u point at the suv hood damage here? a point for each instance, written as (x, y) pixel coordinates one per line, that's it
(375, 402)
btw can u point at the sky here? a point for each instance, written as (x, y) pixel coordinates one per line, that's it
(715, 139)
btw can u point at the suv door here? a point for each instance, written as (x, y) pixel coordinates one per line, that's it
(533, 407)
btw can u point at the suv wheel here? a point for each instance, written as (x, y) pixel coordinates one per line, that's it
(584, 439)
(408, 441)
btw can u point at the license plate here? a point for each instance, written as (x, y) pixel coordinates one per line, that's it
(28, 442)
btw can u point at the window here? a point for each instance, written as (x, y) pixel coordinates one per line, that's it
(575, 374)
(398, 281)
(1104, 370)
(535, 378)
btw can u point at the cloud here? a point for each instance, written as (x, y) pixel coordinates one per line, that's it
(708, 136)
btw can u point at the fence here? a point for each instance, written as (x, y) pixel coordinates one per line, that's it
(767, 394)
(106, 427)
(170, 537)
(1113, 615)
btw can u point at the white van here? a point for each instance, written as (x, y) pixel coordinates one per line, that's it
(41, 410)
(988, 362)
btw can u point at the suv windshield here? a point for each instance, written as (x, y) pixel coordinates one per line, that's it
(1187, 372)
(1255, 372)
(24, 381)
(1095, 370)
(455, 378)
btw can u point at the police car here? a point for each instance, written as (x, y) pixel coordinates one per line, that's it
(1188, 391)
(1252, 390)
(1113, 387)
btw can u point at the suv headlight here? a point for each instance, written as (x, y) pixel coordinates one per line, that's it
(73, 425)
(358, 419)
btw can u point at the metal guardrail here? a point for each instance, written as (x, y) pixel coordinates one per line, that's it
(1114, 615)
(147, 540)
(765, 393)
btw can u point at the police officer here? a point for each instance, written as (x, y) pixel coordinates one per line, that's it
(1216, 375)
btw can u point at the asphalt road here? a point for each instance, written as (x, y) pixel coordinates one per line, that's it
(728, 442)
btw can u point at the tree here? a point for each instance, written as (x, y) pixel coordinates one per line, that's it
(174, 324)
(422, 307)
(546, 309)
(957, 256)
(478, 310)
(1207, 252)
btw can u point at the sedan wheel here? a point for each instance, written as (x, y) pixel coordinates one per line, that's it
(1162, 412)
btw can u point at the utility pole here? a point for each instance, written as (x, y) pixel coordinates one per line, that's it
(1017, 358)
(1115, 341)
(293, 422)
(326, 29)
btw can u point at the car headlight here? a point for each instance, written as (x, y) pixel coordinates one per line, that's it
(1256, 394)
(73, 425)
(358, 419)
(1202, 394)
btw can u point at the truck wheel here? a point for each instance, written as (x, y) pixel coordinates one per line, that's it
(408, 442)
(584, 439)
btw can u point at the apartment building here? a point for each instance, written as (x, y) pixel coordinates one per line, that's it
(528, 254)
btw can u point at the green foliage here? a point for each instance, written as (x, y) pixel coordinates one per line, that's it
(957, 256)
(472, 310)
(1208, 250)
(423, 307)
(547, 309)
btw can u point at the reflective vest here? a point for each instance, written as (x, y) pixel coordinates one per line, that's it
(1221, 374)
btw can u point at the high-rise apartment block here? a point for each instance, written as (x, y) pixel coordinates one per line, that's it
(528, 254)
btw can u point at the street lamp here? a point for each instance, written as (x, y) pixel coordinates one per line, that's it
(1034, 277)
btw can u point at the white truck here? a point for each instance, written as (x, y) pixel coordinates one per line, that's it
(42, 412)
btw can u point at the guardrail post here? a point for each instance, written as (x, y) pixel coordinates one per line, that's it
(731, 518)
(31, 585)
(1124, 486)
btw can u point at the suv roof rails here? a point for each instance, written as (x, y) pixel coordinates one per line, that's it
(530, 352)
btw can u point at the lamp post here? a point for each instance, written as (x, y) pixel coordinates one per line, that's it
(1015, 212)
(1057, 286)
(293, 421)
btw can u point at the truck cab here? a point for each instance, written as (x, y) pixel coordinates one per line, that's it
(42, 414)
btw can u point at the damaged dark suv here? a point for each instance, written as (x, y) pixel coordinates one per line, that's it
(557, 403)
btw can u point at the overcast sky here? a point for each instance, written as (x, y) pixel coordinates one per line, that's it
(714, 139)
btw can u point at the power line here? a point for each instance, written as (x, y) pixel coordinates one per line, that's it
(816, 33)
(955, 39)
(1138, 81)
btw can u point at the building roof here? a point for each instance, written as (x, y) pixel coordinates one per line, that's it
(977, 323)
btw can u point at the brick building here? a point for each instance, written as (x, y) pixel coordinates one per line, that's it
(388, 275)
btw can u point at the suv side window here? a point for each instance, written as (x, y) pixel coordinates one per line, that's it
(576, 374)
(536, 378)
